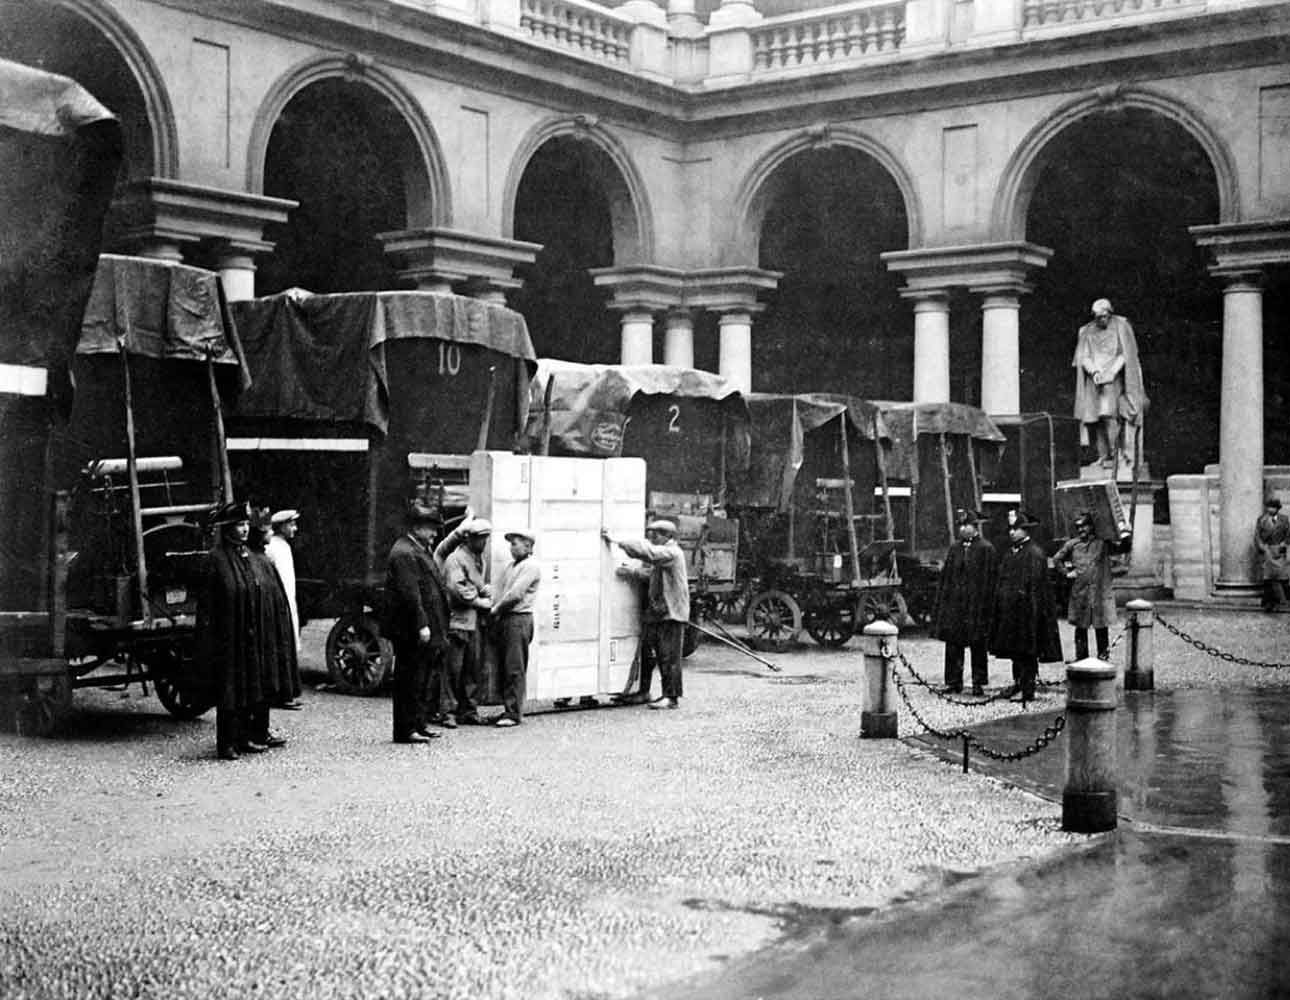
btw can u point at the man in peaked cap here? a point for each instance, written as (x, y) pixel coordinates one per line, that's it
(513, 622)
(965, 602)
(1272, 538)
(1024, 627)
(415, 620)
(461, 555)
(667, 608)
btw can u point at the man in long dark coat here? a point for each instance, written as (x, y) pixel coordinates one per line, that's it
(1025, 611)
(240, 642)
(965, 603)
(1272, 539)
(415, 621)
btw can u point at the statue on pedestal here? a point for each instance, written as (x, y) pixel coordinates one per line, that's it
(1109, 397)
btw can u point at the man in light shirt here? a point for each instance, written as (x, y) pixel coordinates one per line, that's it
(513, 622)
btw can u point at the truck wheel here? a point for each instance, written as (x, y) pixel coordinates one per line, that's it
(358, 657)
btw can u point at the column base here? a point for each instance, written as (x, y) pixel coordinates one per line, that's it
(1090, 812)
(878, 725)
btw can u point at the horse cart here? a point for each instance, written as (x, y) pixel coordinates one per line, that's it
(691, 428)
(363, 401)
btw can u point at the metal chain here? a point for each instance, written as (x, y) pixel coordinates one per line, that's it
(1049, 734)
(1001, 696)
(1215, 651)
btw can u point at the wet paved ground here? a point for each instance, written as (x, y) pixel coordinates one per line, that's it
(747, 846)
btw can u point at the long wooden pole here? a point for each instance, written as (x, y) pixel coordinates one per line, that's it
(882, 475)
(221, 438)
(136, 504)
(849, 503)
(949, 499)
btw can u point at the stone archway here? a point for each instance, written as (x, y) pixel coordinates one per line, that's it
(88, 41)
(1113, 190)
(426, 173)
(822, 214)
(346, 142)
(607, 159)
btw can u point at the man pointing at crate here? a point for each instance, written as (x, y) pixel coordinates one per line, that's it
(667, 611)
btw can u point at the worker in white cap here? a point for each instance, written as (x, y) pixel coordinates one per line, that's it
(284, 525)
(667, 609)
(461, 556)
(513, 622)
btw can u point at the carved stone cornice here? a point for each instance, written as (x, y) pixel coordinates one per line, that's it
(162, 210)
(1241, 250)
(438, 256)
(984, 268)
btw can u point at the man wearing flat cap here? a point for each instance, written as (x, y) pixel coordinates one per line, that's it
(965, 602)
(461, 555)
(1272, 538)
(513, 622)
(1085, 561)
(415, 620)
(667, 607)
(1024, 629)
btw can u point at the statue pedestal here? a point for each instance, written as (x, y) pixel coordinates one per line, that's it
(1142, 580)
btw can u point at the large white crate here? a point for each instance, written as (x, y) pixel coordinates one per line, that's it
(587, 617)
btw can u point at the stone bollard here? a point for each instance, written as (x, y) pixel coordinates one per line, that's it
(1090, 801)
(878, 719)
(1139, 670)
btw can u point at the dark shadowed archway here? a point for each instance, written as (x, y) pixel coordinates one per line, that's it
(347, 155)
(1114, 198)
(836, 323)
(564, 201)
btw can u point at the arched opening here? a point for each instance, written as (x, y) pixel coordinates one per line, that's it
(836, 323)
(565, 201)
(58, 40)
(346, 154)
(1114, 195)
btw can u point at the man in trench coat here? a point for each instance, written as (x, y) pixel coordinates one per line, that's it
(1024, 629)
(1272, 537)
(965, 602)
(1085, 561)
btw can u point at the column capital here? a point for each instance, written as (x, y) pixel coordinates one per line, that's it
(983, 267)
(435, 258)
(728, 289)
(162, 211)
(642, 287)
(1242, 250)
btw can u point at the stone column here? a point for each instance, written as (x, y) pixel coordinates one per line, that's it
(637, 338)
(1001, 353)
(640, 291)
(735, 362)
(237, 273)
(1240, 429)
(931, 347)
(678, 339)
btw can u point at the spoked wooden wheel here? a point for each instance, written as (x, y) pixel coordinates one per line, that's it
(358, 658)
(179, 692)
(882, 605)
(732, 606)
(832, 625)
(774, 617)
(43, 704)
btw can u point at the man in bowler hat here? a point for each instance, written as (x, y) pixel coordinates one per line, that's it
(415, 620)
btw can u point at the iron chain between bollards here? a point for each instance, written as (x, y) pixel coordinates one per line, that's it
(1046, 737)
(1216, 652)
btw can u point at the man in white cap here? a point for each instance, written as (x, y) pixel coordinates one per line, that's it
(1109, 397)
(513, 622)
(285, 524)
(667, 609)
(461, 555)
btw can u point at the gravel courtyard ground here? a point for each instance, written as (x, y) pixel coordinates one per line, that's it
(588, 854)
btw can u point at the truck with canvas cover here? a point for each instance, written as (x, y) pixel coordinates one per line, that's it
(361, 402)
(59, 154)
(812, 512)
(691, 428)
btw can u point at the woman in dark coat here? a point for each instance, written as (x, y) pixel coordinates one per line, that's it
(239, 635)
(1025, 610)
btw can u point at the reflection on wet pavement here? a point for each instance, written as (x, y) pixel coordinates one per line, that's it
(1189, 898)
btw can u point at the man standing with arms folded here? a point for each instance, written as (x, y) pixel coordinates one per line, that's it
(415, 620)
(667, 608)
(965, 602)
(513, 623)
(461, 555)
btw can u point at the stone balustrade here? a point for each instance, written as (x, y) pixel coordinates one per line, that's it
(1044, 13)
(835, 34)
(577, 26)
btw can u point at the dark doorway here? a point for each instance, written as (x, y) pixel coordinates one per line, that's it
(346, 154)
(836, 322)
(563, 203)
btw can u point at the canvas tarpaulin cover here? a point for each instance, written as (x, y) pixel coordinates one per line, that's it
(322, 357)
(907, 422)
(780, 424)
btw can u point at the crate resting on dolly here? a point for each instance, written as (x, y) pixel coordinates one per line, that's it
(1100, 499)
